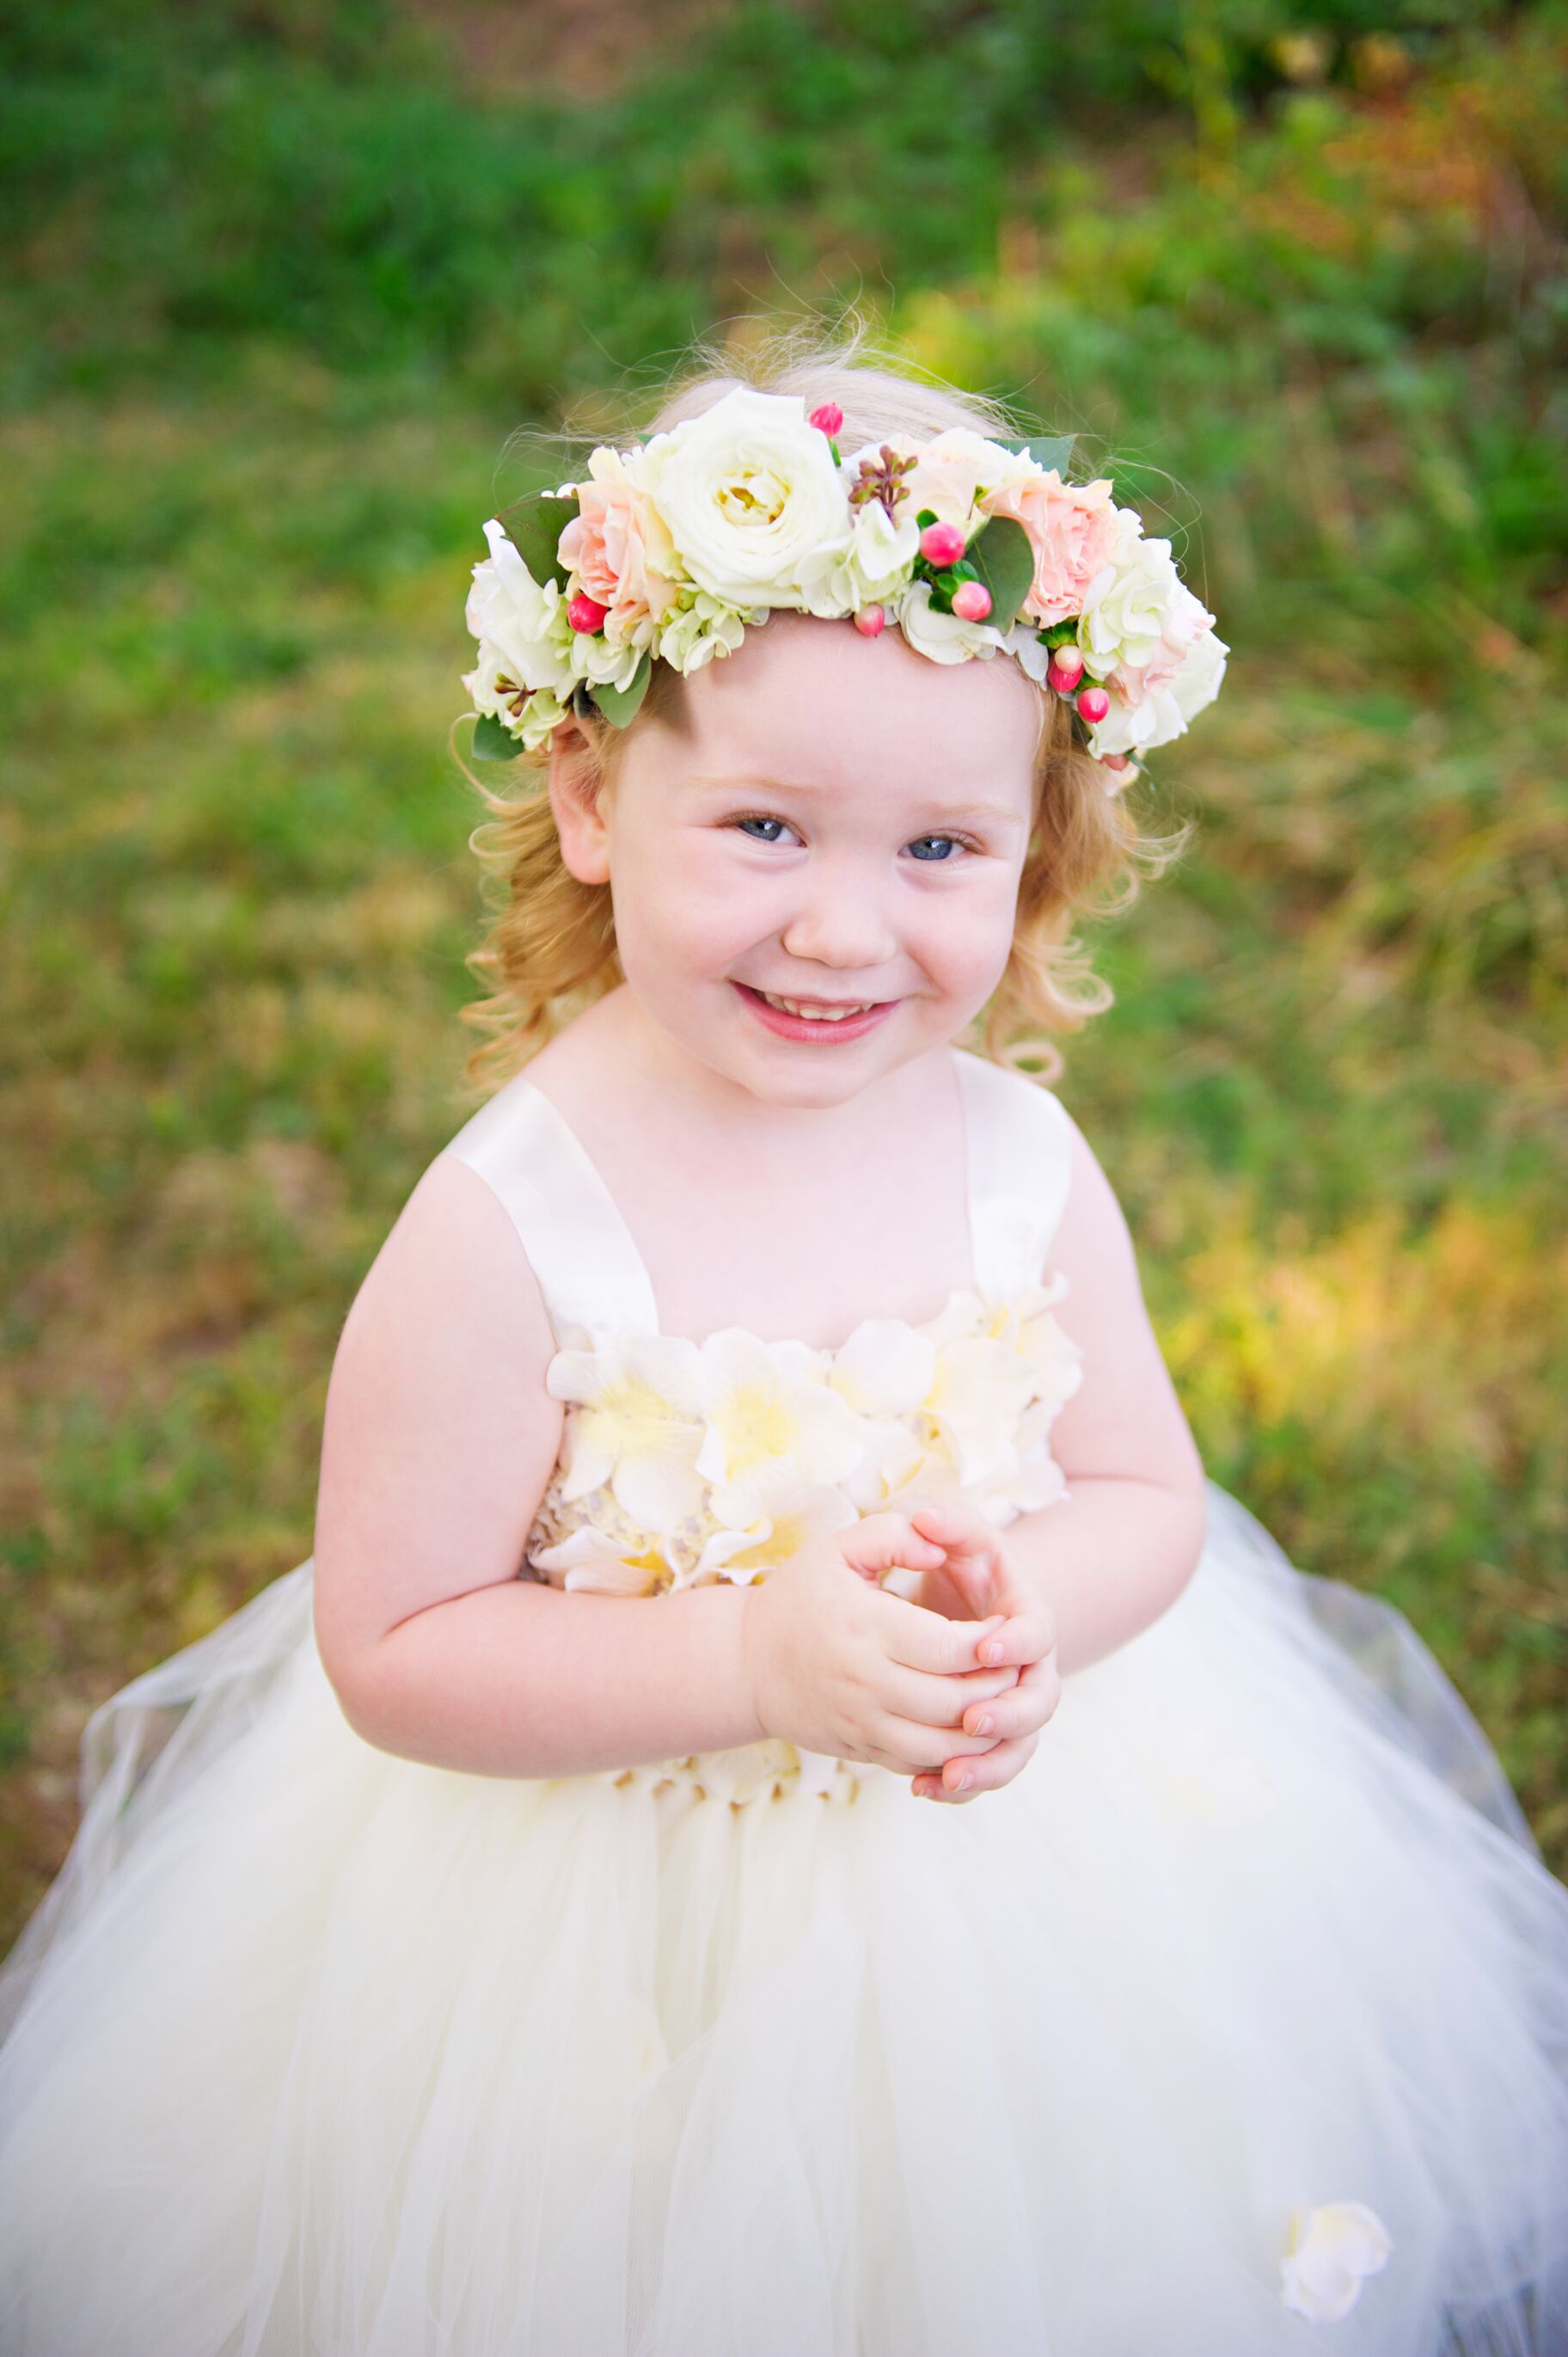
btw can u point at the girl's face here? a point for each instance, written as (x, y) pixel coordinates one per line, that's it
(842, 826)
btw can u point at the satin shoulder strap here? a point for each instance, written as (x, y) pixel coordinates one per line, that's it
(591, 1276)
(1019, 1144)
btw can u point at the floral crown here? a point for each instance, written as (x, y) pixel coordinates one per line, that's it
(669, 551)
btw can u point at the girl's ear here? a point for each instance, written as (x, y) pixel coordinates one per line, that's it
(577, 800)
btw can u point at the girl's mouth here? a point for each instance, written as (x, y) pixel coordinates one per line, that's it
(824, 1022)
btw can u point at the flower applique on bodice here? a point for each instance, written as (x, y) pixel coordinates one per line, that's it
(683, 1463)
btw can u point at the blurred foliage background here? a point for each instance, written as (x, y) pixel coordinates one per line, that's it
(279, 279)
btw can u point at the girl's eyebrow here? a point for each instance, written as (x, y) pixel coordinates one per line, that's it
(929, 807)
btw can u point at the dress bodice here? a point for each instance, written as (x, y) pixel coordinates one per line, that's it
(683, 1462)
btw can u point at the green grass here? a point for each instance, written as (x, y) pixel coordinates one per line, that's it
(252, 424)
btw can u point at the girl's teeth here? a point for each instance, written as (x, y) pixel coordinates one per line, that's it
(816, 1014)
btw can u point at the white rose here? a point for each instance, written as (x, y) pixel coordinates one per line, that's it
(693, 634)
(525, 623)
(748, 492)
(871, 565)
(1331, 2249)
(945, 638)
(952, 472)
(1133, 604)
(1165, 712)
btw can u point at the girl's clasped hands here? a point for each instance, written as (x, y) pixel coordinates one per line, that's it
(950, 1689)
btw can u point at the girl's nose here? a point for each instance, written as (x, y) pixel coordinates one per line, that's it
(840, 922)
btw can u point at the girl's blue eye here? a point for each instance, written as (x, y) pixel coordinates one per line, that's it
(932, 848)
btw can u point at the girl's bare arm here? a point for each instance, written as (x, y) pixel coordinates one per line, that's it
(439, 1439)
(1114, 1554)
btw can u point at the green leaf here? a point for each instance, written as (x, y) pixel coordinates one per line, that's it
(618, 703)
(1053, 451)
(534, 526)
(926, 516)
(1004, 559)
(493, 741)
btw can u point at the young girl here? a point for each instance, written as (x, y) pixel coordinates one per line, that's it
(785, 1817)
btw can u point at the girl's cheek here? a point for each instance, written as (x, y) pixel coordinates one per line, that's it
(970, 947)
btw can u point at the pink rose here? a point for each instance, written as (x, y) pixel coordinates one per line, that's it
(615, 543)
(1073, 530)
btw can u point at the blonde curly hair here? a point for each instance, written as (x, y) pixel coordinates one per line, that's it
(550, 949)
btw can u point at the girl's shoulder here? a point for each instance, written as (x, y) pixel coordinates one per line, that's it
(1034, 1185)
(543, 1180)
(451, 1293)
(501, 1137)
(1023, 1143)
(450, 1277)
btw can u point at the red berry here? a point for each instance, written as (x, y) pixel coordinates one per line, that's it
(1066, 671)
(942, 543)
(871, 622)
(1094, 704)
(828, 419)
(971, 601)
(585, 613)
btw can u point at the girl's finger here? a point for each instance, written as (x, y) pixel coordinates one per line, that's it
(1022, 1709)
(934, 1701)
(923, 1639)
(899, 1740)
(984, 1574)
(972, 1548)
(955, 1523)
(1028, 1633)
(987, 1774)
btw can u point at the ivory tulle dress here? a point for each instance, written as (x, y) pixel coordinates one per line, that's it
(1236, 2026)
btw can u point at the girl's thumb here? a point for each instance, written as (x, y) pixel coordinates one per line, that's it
(881, 1541)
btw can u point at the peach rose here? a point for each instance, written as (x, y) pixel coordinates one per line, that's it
(1072, 531)
(618, 548)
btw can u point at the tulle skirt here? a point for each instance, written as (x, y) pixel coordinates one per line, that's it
(311, 2049)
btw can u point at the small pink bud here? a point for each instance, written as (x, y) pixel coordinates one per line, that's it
(585, 613)
(1114, 760)
(871, 622)
(942, 543)
(1066, 671)
(828, 419)
(971, 601)
(1094, 704)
